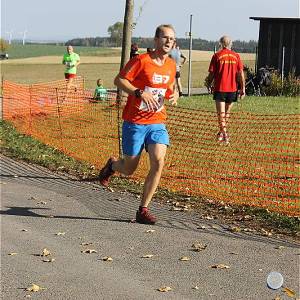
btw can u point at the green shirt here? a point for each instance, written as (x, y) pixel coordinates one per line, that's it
(70, 60)
(100, 93)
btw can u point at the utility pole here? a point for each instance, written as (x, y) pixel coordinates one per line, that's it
(190, 58)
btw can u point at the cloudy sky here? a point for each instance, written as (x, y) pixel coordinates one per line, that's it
(63, 20)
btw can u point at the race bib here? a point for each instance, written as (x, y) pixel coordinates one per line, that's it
(158, 94)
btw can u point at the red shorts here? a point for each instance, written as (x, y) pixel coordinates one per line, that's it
(68, 76)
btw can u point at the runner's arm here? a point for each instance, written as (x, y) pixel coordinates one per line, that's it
(126, 86)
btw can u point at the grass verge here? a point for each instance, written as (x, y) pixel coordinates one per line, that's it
(22, 147)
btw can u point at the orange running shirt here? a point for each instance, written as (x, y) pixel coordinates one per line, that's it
(145, 74)
(225, 64)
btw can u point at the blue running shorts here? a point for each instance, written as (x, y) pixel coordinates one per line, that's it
(136, 137)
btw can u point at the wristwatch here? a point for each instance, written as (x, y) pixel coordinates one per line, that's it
(138, 93)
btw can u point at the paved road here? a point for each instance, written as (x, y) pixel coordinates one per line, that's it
(43, 204)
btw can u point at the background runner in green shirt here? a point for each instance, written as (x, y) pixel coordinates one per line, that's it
(71, 60)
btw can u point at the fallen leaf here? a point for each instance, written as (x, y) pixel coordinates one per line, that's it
(12, 253)
(150, 231)
(280, 247)
(107, 258)
(235, 229)
(265, 232)
(25, 230)
(42, 202)
(147, 256)
(184, 258)
(201, 227)
(195, 287)
(86, 243)
(165, 289)
(289, 292)
(199, 247)
(60, 233)
(110, 189)
(220, 266)
(28, 296)
(45, 252)
(34, 288)
(89, 251)
(209, 218)
(233, 253)
(49, 260)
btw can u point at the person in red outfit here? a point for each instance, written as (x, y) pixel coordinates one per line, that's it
(226, 74)
(149, 80)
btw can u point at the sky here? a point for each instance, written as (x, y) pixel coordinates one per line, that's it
(64, 20)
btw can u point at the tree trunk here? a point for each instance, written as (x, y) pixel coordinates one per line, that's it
(127, 31)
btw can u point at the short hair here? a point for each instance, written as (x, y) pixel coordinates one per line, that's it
(225, 41)
(159, 29)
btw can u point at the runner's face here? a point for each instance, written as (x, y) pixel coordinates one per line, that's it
(70, 49)
(165, 41)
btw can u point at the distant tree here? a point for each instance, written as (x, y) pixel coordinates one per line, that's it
(3, 45)
(116, 33)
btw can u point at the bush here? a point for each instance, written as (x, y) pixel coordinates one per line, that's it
(290, 86)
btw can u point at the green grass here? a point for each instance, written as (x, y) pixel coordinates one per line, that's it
(23, 147)
(35, 50)
(252, 104)
(37, 73)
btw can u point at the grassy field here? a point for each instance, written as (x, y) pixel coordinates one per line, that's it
(34, 73)
(20, 51)
(42, 63)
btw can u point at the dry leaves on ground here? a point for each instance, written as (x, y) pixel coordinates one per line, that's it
(45, 252)
(199, 247)
(34, 288)
(147, 256)
(60, 233)
(89, 251)
(289, 292)
(184, 258)
(107, 258)
(235, 229)
(150, 231)
(220, 266)
(12, 253)
(49, 260)
(164, 289)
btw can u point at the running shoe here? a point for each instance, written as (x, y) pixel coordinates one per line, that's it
(106, 172)
(220, 136)
(226, 138)
(144, 217)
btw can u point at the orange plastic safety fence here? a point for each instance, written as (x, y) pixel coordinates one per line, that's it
(260, 167)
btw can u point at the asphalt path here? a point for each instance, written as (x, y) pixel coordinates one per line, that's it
(41, 209)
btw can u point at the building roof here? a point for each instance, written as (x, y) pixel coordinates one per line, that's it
(292, 19)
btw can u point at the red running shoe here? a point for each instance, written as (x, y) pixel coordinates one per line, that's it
(106, 172)
(144, 217)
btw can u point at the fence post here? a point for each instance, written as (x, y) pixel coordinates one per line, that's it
(119, 100)
(1, 107)
(59, 122)
(190, 58)
(30, 109)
